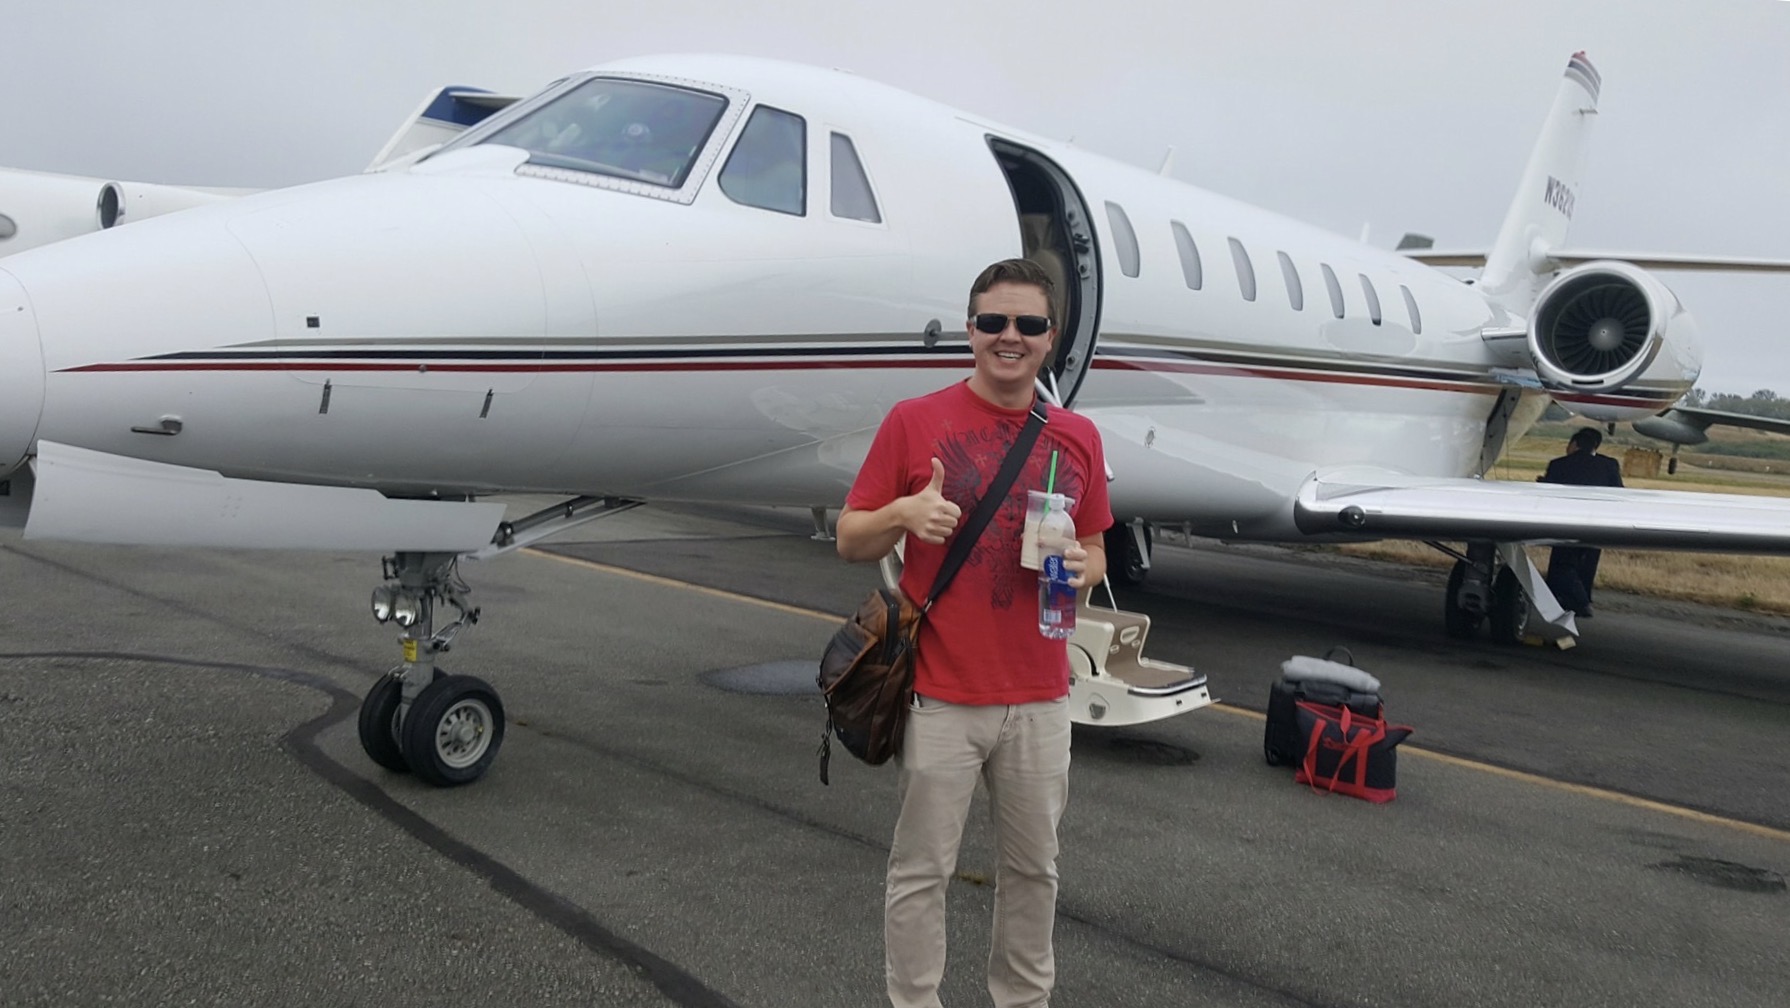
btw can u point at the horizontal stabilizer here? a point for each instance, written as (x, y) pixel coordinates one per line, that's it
(89, 496)
(1564, 258)
(1446, 257)
(1398, 507)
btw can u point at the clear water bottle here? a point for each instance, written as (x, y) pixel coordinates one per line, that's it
(1056, 598)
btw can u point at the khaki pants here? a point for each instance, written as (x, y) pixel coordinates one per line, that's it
(1022, 754)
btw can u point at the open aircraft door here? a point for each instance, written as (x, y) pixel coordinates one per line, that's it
(1111, 683)
(1058, 234)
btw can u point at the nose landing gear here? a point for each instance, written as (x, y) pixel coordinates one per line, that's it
(445, 729)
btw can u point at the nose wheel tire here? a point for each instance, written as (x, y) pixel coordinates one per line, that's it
(453, 731)
(379, 724)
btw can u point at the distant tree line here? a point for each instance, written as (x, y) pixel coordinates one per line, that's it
(1764, 402)
(1557, 422)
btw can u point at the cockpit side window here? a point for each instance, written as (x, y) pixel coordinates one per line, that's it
(769, 166)
(629, 129)
(852, 197)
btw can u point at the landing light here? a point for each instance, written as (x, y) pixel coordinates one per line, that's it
(406, 609)
(384, 600)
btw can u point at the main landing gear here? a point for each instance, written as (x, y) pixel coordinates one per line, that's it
(445, 729)
(1496, 584)
(1482, 590)
(1128, 549)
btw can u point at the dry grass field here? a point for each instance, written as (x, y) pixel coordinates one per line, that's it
(1752, 583)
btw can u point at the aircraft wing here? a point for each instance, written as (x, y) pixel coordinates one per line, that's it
(1392, 506)
(1686, 424)
(1563, 258)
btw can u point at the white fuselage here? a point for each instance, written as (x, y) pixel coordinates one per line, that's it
(463, 327)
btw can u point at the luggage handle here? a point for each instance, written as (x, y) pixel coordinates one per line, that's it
(1346, 653)
(1353, 748)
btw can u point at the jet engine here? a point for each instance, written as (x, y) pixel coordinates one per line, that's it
(37, 208)
(120, 202)
(1607, 325)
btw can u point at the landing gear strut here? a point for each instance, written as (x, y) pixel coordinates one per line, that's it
(1510, 609)
(1128, 549)
(445, 729)
(1469, 596)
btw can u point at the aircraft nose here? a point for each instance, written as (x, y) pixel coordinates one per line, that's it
(21, 373)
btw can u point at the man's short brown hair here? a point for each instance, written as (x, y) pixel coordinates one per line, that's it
(1015, 271)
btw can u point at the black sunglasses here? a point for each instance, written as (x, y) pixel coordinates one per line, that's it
(994, 323)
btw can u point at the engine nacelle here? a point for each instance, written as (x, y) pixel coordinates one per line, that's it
(1672, 429)
(121, 202)
(1607, 326)
(37, 208)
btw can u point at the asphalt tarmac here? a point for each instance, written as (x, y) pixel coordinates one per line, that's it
(186, 816)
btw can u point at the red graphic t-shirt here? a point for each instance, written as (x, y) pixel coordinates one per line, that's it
(980, 644)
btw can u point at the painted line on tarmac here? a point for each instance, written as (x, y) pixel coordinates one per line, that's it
(1585, 790)
(690, 586)
(1635, 801)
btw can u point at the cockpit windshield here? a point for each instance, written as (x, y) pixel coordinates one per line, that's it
(626, 128)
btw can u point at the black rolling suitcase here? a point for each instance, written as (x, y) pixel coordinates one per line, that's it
(1321, 681)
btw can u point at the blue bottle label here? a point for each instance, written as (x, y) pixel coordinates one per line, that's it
(1056, 599)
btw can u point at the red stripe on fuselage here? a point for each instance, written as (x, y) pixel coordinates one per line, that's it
(507, 368)
(1347, 378)
(1284, 374)
(1104, 363)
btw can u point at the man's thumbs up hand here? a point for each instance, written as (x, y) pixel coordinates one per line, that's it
(929, 516)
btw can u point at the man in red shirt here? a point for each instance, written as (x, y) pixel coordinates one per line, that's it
(990, 692)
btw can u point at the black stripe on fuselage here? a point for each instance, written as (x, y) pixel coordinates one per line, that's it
(760, 356)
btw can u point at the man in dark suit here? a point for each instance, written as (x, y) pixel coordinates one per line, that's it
(1573, 569)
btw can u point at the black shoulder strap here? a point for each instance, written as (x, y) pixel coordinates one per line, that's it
(991, 500)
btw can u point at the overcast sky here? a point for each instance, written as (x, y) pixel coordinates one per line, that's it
(1414, 115)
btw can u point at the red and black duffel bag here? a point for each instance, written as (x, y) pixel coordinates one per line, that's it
(1319, 680)
(1349, 753)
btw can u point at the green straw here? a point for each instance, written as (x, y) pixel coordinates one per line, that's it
(1050, 485)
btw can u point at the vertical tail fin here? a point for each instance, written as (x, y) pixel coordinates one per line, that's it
(1541, 213)
(443, 115)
